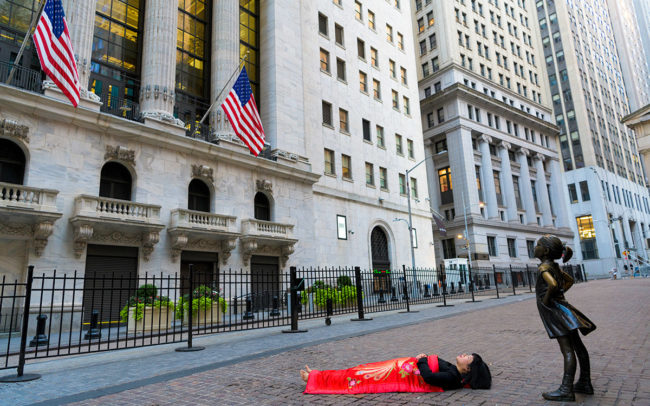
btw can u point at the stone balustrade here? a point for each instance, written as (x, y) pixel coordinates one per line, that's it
(208, 221)
(104, 207)
(27, 197)
(261, 228)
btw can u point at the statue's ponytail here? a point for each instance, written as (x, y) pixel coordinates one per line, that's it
(567, 253)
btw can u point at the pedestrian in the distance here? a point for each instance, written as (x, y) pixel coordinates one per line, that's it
(561, 320)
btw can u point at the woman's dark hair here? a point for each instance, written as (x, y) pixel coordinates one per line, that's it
(556, 248)
(479, 376)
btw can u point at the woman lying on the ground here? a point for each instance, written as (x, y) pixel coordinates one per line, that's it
(424, 373)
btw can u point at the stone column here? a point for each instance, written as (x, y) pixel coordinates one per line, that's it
(489, 190)
(463, 172)
(159, 61)
(525, 187)
(80, 16)
(224, 58)
(507, 186)
(558, 194)
(542, 192)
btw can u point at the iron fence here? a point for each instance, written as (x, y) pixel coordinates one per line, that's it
(24, 78)
(67, 314)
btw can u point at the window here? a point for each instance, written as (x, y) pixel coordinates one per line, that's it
(446, 189)
(363, 82)
(402, 72)
(448, 248)
(198, 196)
(344, 125)
(327, 113)
(329, 162)
(407, 105)
(361, 48)
(12, 163)
(587, 234)
(376, 89)
(402, 184)
(423, 47)
(409, 149)
(420, 25)
(517, 191)
(435, 66)
(492, 246)
(512, 248)
(497, 187)
(414, 188)
(400, 41)
(389, 33)
(262, 207)
(358, 11)
(383, 178)
(441, 115)
(530, 246)
(433, 41)
(380, 136)
(371, 20)
(573, 194)
(395, 99)
(374, 58)
(392, 68)
(341, 227)
(365, 124)
(584, 191)
(324, 60)
(346, 166)
(322, 24)
(191, 48)
(399, 146)
(441, 146)
(430, 18)
(115, 181)
(370, 174)
(340, 69)
(339, 36)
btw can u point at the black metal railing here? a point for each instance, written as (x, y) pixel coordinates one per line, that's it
(24, 78)
(120, 107)
(72, 314)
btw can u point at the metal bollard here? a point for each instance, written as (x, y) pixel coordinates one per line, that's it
(359, 289)
(435, 290)
(328, 319)
(393, 297)
(381, 297)
(453, 289)
(249, 310)
(426, 290)
(276, 310)
(40, 338)
(94, 331)
(295, 302)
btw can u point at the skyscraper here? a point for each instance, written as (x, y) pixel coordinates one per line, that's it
(608, 199)
(488, 123)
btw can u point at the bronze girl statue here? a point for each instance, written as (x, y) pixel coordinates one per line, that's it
(561, 320)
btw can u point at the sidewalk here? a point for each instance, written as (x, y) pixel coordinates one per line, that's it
(262, 366)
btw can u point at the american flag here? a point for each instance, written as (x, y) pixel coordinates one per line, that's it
(242, 113)
(52, 41)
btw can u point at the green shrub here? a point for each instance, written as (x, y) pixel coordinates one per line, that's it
(147, 290)
(159, 302)
(345, 295)
(202, 303)
(343, 280)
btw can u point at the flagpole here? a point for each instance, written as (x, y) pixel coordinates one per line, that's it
(24, 44)
(243, 61)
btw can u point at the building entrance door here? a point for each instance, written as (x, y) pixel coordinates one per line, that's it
(265, 281)
(380, 260)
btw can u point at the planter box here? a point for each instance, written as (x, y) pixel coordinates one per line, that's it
(205, 317)
(153, 319)
(241, 306)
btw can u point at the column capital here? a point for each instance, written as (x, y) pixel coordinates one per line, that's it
(505, 145)
(523, 151)
(484, 138)
(538, 157)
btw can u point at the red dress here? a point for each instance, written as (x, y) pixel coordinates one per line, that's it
(395, 375)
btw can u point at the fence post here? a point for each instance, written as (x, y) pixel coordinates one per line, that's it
(496, 284)
(443, 279)
(405, 291)
(20, 376)
(512, 282)
(189, 317)
(584, 274)
(276, 307)
(471, 285)
(357, 282)
(294, 302)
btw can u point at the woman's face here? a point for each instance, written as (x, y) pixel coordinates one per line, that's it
(463, 361)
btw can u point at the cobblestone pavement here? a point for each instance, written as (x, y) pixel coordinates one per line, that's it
(524, 362)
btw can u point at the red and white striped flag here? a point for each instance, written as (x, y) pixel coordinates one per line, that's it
(52, 41)
(242, 113)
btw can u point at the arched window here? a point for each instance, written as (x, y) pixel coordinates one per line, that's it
(198, 197)
(262, 207)
(115, 182)
(12, 163)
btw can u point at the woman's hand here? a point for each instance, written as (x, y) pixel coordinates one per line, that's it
(421, 356)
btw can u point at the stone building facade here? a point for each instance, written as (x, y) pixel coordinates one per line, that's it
(130, 181)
